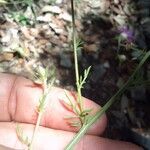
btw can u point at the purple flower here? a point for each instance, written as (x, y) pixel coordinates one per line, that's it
(127, 34)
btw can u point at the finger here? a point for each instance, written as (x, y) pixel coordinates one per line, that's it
(57, 140)
(20, 101)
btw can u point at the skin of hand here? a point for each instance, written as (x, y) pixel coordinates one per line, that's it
(18, 102)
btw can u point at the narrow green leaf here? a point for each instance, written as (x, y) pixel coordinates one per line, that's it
(24, 139)
(71, 117)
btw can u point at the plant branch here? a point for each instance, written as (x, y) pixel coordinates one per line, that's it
(35, 130)
(75, 54)
(41, 109)
(102, 110)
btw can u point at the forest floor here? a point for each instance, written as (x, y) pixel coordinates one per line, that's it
(115, 34)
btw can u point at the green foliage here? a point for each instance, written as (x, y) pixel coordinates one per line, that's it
(20, 2)
(24, 139)
(82, 79)
(16, 9)
(89, 120)
(26, 2)
(111, 101)
(78, 108)
(41, 76)
(42, 103)
(20, 18)
(137, 54)
(80, 117)
(44, 76)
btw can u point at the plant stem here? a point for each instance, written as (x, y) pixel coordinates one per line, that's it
(76, 56)
(46, 89)
(35, 130)
(74, 42)
(102, 110)
(38, 119)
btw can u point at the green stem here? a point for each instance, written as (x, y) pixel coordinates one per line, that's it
(93, 119)
(74, 42)
(35, 130)
(39, 118)
(46, 89)
(80, 99)
(76, 56)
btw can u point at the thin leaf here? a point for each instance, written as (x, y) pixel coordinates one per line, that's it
(20, 134)
(66, 105)
(75, 123)
(71, 117)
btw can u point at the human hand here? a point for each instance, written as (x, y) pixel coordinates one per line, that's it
(18, 101)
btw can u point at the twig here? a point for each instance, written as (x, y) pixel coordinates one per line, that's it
(102, 110)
